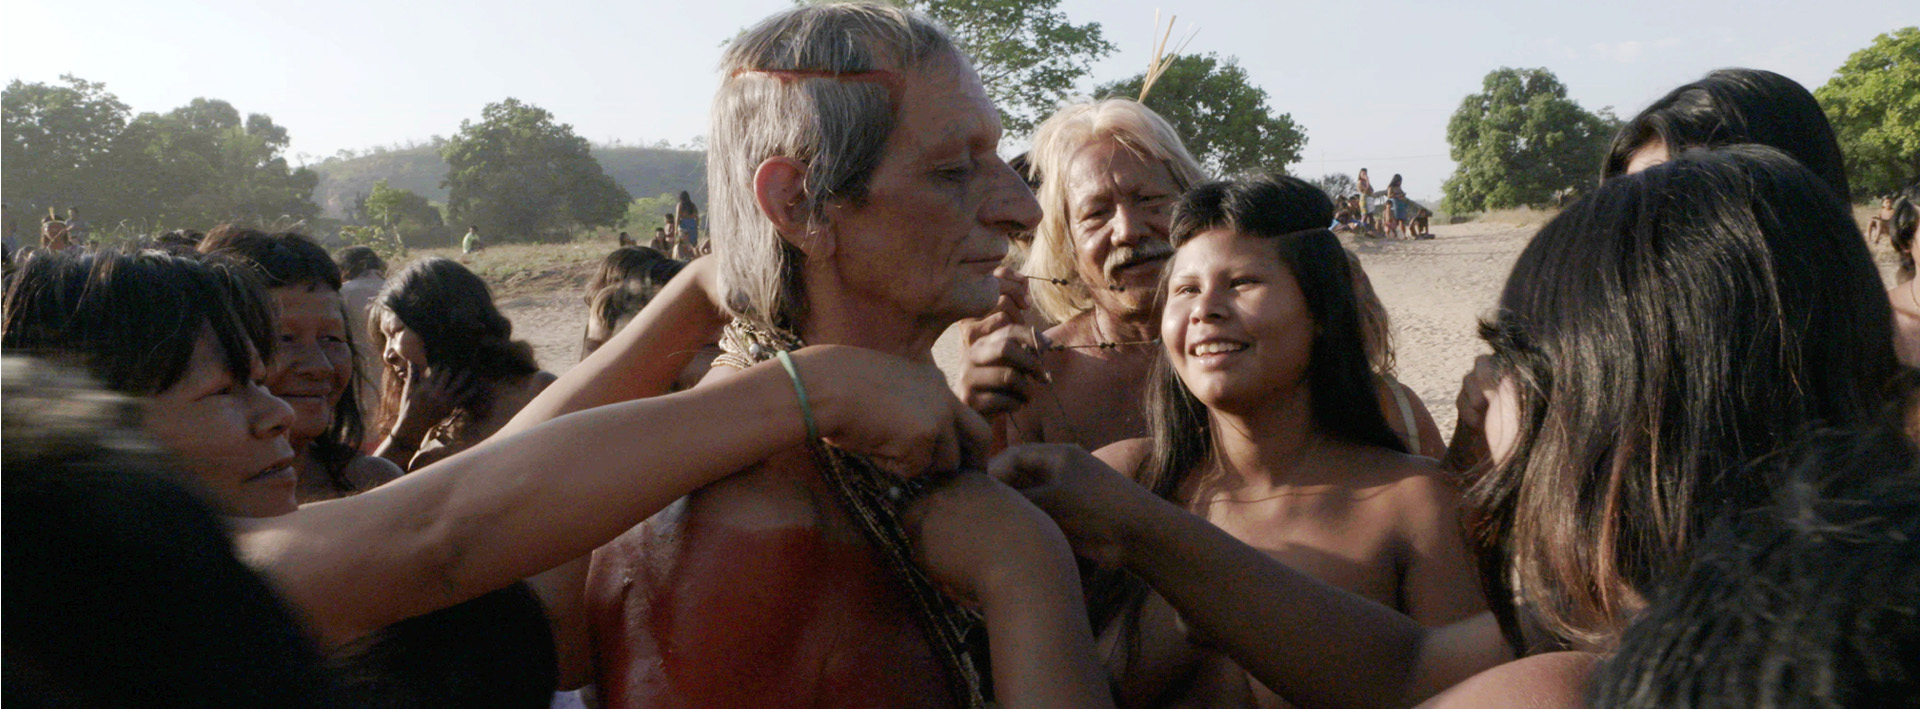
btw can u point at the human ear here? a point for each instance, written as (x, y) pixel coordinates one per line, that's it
(779, 188)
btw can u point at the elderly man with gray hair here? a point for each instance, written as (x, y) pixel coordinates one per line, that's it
(1111, 172)
(856, 199)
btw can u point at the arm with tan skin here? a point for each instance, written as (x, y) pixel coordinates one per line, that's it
(988, 546)
(524, 503)
(645, 356)
(1440, 583)
(1314, 644)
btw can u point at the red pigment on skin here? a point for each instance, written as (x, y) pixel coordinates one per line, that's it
(708, 615)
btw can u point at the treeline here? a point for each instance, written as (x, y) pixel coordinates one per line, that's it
(420, 169)
(1522, 142)
(73, 144)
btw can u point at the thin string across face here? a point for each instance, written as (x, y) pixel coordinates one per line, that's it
(1103, 344)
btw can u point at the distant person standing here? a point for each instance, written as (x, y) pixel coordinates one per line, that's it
(1396, 207)
(76, 229)
(53, 234)
(471, 243)
(687, 218)
(1365, 185)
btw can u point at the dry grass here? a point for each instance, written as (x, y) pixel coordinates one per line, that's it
(529, 269)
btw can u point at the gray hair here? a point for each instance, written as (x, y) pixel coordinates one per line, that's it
(816, 84)
(1127, 123)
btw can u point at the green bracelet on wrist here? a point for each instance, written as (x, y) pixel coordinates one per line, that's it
(806, 410)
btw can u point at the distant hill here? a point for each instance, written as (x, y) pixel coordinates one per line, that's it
(645, 172)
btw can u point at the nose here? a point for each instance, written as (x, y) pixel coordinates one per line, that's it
(1131, 224)
(1011, 208)
(1210, 305)
(304, 358)
(270, 416)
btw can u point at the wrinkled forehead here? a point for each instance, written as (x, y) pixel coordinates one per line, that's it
(942, 108)
(1104, 168)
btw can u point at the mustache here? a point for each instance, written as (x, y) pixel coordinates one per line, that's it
(1127, 256)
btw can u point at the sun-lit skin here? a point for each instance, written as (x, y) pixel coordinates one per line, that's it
(943, 182)
(1120, 206)
(762, 574)
(403, 346)
(1118, 200)
(313, 363)
(1651, 153)
(1236, 326)
(1237, 330)
(230, 434)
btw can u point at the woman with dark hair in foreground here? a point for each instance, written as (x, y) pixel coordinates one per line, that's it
(1653, 341)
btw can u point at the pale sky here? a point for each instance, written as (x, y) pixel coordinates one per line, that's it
(1373, 83)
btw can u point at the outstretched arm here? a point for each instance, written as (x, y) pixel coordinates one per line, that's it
(642, 359)
(1314, 644)
(520, 504)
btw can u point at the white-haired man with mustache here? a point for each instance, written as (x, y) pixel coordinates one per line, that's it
(1110, 174)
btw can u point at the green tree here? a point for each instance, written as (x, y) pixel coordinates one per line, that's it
(518, 174)
(1520, 141)
(77, 145)
(1223, 118)
(1337, 184)
(644, 214)
(1028, 55)
(1874, 102)
(67, 145)
(408, 214)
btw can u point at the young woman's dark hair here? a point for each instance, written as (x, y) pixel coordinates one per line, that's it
(289, 259)
(1733, 106)
(357, 261)
(1812, 600)
(1662, 333)
(686, 208)
(1900, 234)
(452, 311)
(179, 241)
(623, 263)
(1395, 182)
(131, 320)
(1292, 215)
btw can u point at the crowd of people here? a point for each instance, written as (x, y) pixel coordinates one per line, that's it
(1174, 467)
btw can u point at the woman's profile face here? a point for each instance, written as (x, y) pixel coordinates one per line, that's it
(404, 347)
(230, 433)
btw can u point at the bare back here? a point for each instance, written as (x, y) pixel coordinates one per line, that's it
(1371, 521)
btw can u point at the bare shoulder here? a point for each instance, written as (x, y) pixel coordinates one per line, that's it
(1126, 456)
(1551, 680)
(370, 471)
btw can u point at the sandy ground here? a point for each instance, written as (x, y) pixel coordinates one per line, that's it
(1434, 290)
